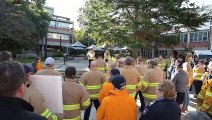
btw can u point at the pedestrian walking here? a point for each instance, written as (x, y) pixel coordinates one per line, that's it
(171, 69)
(93, 81)
(118, 105)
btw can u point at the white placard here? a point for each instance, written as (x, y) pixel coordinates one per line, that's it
(50, 87)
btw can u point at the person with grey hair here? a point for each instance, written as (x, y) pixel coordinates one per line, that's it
(196, 115)
(131, 75)
(152, 77)
(5, 56)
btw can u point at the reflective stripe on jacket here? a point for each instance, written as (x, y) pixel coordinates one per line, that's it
(33, 97)
(132, 78)
(151, 80)
(93, 82)
(199, 73)
(75, 99)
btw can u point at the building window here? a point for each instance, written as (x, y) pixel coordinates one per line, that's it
(57, 36)
(183, 37)
(53, 23)
(196, 36)
(191, 37)
(205, 36)
(200, 36)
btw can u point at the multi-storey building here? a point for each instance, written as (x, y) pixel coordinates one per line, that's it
(60, 30)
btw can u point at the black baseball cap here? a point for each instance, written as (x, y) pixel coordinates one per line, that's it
(118, 81)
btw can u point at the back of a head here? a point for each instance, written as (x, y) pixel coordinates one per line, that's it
(12, 76)
(117, 56)
(5, 56)
(119, 82)
(128, 61)
(93, 64)
(49, 61)
(196, 116)
(70, 72)
(168, 88)
(99, 55)
(139, 59)
(187, 56)
(153, 62)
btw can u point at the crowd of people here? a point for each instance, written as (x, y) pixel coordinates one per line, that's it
(112, 87)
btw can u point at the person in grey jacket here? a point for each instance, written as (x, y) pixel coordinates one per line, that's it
(180, 79)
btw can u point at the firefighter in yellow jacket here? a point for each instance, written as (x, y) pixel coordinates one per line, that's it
(75, 96)
(36, 100)
(131, 76)
(198, 74)
(93, 81)
(152, 77)
(101, 64)
(204, 99)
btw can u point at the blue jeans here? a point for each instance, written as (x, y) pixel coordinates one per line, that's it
(186, 99)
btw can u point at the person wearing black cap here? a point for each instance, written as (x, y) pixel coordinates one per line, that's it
(75, 96)
(118, 105)
(180, 79)
(108, 86)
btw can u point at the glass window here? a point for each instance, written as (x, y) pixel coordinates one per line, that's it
(181, 37)
(200, 36)
(205, 36)
(52, 23)
(196, 36)
(191, 37)
(186, 38)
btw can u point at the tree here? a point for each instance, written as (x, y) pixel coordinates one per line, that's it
(140, 22)
(22, 22)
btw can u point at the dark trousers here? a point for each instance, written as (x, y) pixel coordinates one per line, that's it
(88, 110)
(197, 85)
(180, 97)
(141, 100)
(89, 63)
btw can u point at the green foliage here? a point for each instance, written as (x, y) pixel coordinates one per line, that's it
(22, 22)
(138, 23)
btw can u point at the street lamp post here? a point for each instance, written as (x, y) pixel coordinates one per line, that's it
(60, 43)
(210, 37)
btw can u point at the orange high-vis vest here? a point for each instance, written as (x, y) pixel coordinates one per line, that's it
(117, 106)
(105, 91)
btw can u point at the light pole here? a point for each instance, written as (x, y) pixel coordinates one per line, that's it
(210, 37)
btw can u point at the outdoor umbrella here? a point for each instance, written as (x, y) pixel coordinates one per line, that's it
(78, 46)
(117, 49)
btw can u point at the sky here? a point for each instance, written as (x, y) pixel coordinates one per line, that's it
(70, 8)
